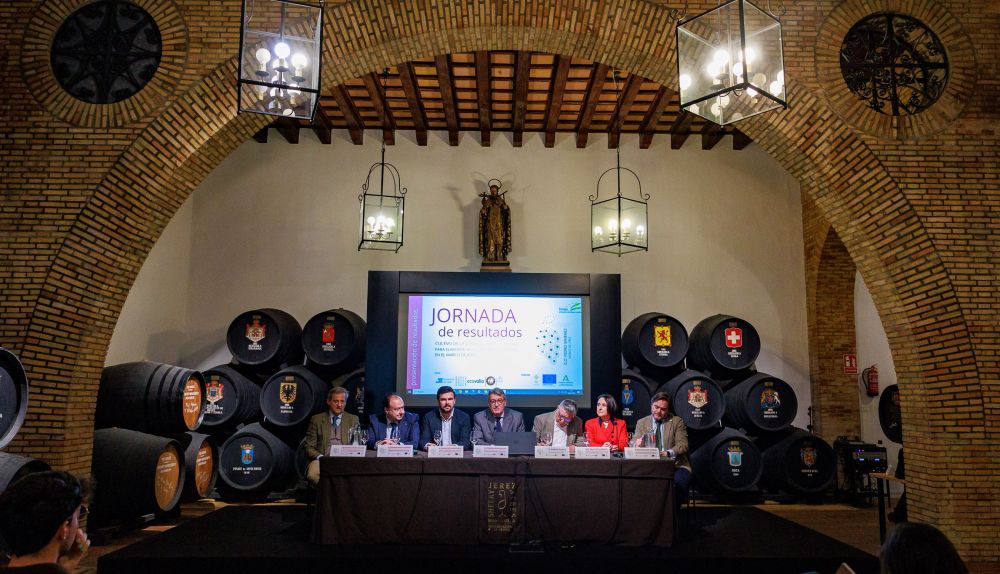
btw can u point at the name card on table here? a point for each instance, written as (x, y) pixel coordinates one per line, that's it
(593, 452)
(348, 450)
(452, 451)
(395, 450)
(489, 451)
(642, 452)
(551, 452)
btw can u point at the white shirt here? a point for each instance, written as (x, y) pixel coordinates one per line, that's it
(559, 436)
(446, 429)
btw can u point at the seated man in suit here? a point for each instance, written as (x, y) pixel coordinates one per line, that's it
(561, 424)
(325, 429)
(395, 425)
(453, 425)
(498, 418)
(671, 438)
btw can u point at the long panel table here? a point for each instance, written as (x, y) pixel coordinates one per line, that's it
(494, 501)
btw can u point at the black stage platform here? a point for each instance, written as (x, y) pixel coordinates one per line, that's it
(272, 539)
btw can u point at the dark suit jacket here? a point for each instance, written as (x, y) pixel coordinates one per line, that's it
(318, 433)
(461, 428)
(409, 429)
(483, 424)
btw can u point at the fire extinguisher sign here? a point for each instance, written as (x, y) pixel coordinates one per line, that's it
(850, 364)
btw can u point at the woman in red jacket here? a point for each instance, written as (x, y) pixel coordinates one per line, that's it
(606, 430)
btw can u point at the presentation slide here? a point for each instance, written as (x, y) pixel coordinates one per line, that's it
(526, 345)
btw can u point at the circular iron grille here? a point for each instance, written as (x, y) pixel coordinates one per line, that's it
(106, 51)
(894, 64)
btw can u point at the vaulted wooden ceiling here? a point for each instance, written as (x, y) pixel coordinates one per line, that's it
(503, 91)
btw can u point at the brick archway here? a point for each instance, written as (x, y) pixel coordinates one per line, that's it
(82, 293)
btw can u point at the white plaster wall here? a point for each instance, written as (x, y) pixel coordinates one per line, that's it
(873, 349)
(275, 225)
(153, 322)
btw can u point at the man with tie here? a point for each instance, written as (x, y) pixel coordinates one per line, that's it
(394, 425)
(327, 429)
(497, 418)
(452, 424)
(671, 437)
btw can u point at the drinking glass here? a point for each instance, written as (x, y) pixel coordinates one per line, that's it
(544, 439)
(437, 437)
(631, 439)
(362, 436)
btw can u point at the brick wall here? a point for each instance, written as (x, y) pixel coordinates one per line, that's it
(86, 192)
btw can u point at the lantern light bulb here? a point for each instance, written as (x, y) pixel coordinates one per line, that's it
(263, 56)
(282, 50)
(299, 60)
(685, 82)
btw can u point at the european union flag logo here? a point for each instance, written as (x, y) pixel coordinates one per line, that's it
(548, 379)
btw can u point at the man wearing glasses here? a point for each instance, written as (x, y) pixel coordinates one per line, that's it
(40, 520)
(561, 424)
(497, 418)
(670, 436)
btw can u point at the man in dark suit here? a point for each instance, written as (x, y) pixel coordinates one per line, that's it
(331, 427)
(453, 424)
(497, 418)
(395, 425)
(561, 425)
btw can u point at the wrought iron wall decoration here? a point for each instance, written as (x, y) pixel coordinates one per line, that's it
(106, 51)
(894, 63)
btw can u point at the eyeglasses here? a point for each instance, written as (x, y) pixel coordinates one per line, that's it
(497, 401)
(564, 419)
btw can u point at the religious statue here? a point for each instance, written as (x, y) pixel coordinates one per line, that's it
(494, 228)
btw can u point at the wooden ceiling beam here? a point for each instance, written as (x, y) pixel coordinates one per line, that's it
(406, 77)
(322, 126)
(377, 95)
(653, 115)
(740, 140)
(289, 129)
(559, 76)
(680, 129)
(597, 80)
(483, 94)
(711, 134)
(629, 94)
(447, 96)
(261, 135)
(354, 125)
(522, 73)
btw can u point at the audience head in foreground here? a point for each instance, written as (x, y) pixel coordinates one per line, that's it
(40, 520)
(915, 548)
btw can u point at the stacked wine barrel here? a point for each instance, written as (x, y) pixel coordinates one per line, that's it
(13, 406)
(738, 419)
(260, 403)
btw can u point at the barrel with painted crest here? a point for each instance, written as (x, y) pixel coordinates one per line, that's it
(721, 345)
(265, 339)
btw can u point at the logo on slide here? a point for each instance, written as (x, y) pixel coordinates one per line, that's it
(549, 379)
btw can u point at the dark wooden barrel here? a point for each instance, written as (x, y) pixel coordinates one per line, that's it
(361, 400)
(721, 344)
(14, 467)
(633, 400)
(13, 396)
(761, 403)
(798, 462)
(890, 415)
(655, 344)
(231, 399)
(696, 399)
(334, 341)
(292, 395)
(150, 397)
(265, 339)
(727, 463)
(201, 465)
(301, 460)
(136, 474)
(254, 462)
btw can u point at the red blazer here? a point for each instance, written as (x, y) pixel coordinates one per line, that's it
(615, 433)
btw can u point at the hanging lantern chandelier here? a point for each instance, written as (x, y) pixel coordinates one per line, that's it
(382, 211)
(730, 63)
(619, 224)
(280, 58)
